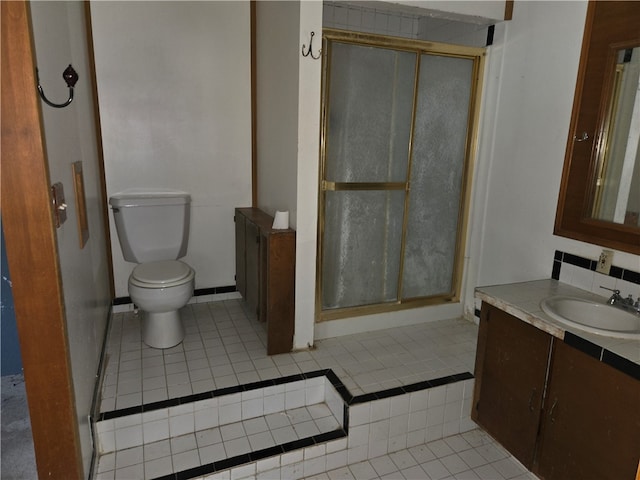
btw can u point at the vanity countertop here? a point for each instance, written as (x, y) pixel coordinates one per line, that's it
(522, 300)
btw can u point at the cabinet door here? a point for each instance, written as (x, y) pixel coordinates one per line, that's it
(252, 245)
(591, 427)
(241, 278)
(511, 367)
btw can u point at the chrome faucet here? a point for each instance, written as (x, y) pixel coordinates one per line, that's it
(616, 300)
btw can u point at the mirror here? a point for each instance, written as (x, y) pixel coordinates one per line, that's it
(617, 180)
(599, 200)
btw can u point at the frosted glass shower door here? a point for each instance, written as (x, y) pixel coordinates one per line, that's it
(366, 163)
(437, 176)
(363, 230)
(398, 121)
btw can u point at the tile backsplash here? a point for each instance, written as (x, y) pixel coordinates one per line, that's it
(581, 272)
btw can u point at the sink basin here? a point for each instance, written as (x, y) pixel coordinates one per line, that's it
(592, 316)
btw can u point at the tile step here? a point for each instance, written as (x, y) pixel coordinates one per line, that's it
(308, 419)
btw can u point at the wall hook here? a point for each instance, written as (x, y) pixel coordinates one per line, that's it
(70, 77)
(309, 52)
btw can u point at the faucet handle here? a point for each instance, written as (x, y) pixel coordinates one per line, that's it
(615, 298)
(615, 291)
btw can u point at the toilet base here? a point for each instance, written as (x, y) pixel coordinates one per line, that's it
(162, 329)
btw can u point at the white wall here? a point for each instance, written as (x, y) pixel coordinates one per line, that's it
(528, 95)
(59, 37)
(307, 179)
(288, 141)
(174, 91)
(277, 63)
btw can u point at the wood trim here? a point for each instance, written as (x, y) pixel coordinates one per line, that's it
(254, 112)
(608, 25)
(508, 10)
(32, 254)
(268, 256)
(100, 151)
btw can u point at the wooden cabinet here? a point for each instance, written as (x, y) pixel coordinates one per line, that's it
(265, 274)
(511, 368)
(586, 425)
(591, 426)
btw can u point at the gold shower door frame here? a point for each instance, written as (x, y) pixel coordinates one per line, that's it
(477, 55)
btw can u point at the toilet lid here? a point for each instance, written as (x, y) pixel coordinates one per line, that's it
(162, 273)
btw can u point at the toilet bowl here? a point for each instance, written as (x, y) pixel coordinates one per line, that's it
(160, 289)
(153, 230)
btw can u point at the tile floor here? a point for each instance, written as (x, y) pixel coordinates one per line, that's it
(472, 455)
(467, 456)
(225, 346)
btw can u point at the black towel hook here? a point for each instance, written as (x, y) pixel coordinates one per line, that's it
(70, 77)
(309, 52)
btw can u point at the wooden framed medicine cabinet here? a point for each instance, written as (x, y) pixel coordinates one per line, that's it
(611, 31)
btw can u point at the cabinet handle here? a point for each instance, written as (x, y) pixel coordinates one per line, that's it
(533, 394)
(582, 138)
(555, 402)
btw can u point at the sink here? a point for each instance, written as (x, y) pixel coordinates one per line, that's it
(592, 316)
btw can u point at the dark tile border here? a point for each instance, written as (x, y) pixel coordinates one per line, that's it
(620, 363)
(585, 346)
(555, 271)
(342, 390)
(490, 34)
(560, 257)
(603, 355)
(238, 460)
(414, 387)
(631, 276)
(174, 402)
(197, 293)
(578, 261)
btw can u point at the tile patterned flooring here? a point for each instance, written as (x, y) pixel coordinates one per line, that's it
(472, 455)
(225, 346)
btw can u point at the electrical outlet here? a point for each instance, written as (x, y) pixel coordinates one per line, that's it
(604, 262)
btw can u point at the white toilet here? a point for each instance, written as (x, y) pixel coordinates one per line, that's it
(153, 229)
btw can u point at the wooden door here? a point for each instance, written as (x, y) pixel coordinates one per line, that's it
(511, 366)
(591, 425)
(33, 256)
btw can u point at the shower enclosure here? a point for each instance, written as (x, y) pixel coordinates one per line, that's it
(398, 136)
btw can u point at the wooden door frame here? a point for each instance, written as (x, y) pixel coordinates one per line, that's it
(32, 254)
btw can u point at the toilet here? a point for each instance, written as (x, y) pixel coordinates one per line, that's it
(153, 229)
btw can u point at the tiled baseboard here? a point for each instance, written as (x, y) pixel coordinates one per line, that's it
(200, 295)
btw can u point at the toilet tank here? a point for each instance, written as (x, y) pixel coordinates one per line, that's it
(152, 225)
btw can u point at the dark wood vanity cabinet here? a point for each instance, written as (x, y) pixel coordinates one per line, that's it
(265, 274)
(586, 425)
(591, 426)
(511, 368)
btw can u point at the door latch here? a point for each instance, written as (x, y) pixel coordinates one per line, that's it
(59, 206)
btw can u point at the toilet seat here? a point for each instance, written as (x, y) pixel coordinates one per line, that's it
(163, 274)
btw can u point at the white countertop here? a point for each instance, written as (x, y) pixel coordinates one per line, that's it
(522, 300)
